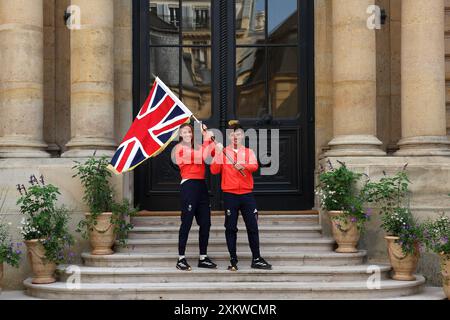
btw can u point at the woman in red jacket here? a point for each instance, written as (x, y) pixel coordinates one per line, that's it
(194, 193)
(237, 187)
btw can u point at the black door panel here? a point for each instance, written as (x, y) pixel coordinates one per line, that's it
(250, 60)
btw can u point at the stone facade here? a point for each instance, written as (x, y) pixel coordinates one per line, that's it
(380, 98)
(411, 118)
(53, 78)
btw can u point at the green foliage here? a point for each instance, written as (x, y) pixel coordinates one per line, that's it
(437, 235)
(46, 222)
(99, 197)
(391, 193)
(8, 253)
(338, 191)
(401, 223)
(121, 212)
(94, 176)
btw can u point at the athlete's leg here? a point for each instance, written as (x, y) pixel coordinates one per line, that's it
(231, 205)
(250, 215)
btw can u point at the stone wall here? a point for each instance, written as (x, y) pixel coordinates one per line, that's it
(323, 75)
(430, 174)
(57, 123)
(62, 74)
(430, 177)
(447, 59)
(57, 172)
(388, 46)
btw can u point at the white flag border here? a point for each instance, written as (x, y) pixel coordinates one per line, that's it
(173, 96)
(177, 102)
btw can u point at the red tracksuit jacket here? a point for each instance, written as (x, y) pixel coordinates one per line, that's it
(232, 180)
(192, 161)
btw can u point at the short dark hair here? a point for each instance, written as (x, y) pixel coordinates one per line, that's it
(235, 127)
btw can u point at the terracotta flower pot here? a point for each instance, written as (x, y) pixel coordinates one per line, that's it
(445, 268)
(404, 265)
(102, 237)
(43, 270)
(345, 232)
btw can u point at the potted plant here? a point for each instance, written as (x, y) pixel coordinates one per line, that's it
(107, 219)
(403, 232)
(403, 238)
(9, 253)
(121, 214)
(340, 197)
(436, 238)
(44, 229)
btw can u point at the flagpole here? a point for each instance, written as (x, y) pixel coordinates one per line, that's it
(223, 150)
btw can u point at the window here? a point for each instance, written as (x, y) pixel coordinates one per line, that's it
(267, 58)
(180, 51)
(201, 18)
(200, 55)
(174, 16)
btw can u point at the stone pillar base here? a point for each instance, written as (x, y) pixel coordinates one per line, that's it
(85, 147)
(20, 147)
(424, 146)
(354, 145)
(53, 149)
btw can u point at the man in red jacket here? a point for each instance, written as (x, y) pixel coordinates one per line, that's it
(237, 187)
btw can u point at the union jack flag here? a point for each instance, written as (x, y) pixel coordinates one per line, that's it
(154, 128)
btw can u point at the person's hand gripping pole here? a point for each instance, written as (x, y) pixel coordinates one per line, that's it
(237, 166)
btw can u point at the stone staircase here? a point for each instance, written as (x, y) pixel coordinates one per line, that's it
(304, 266)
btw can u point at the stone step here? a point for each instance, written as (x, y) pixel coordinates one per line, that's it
(171, 232)
(427, 293)
(281, 245)
(226, 290)
(276, 258)
(221, 274)
(218, 220)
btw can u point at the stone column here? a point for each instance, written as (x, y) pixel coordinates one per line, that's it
(123, 67)
(21, 79)
(423, 79)
(62, 74)
(123, 80)
(92, 80)
(50, 109)
(354, 81)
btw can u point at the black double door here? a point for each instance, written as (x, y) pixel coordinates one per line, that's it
(250, 60)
